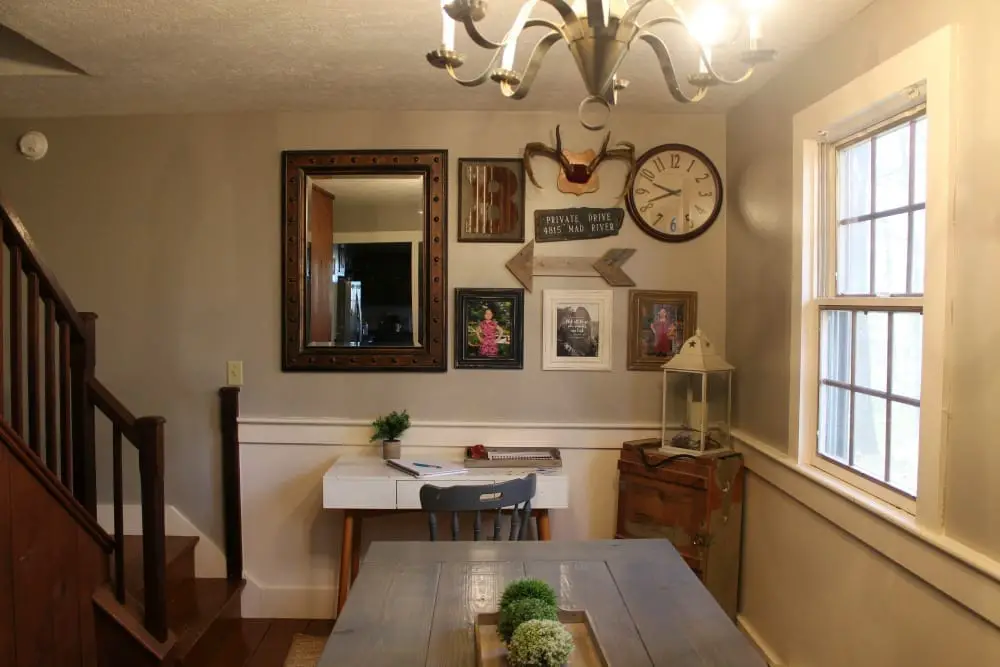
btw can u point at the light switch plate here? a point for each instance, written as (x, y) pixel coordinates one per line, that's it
(234, 373)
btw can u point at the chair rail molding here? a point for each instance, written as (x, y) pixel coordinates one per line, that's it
(254, 430)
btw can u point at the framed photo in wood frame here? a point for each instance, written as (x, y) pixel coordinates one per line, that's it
(576, 330)
(658, 324)
(491, 200)
(489, 328)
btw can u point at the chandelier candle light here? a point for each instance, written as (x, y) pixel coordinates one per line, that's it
(599, 34)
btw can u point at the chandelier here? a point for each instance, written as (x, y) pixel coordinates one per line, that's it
(599, 34)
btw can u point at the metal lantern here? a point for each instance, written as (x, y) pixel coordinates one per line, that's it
(697, 399)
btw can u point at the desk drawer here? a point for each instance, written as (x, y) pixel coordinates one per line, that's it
(408, 490)
(650, 509)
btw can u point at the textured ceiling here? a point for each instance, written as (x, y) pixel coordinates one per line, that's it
(175, 56)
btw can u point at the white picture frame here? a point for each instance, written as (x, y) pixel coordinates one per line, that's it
(581, 345)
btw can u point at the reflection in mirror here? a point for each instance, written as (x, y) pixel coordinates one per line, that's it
(363, 268)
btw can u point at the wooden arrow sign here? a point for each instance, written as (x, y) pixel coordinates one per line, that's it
(524, 265)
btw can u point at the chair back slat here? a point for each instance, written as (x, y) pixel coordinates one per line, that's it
(527, 516)
(432, 522)
(515, 494)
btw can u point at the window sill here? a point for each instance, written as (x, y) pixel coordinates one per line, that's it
(964, 574)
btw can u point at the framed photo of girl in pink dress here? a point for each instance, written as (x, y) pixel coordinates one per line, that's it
(658, 324)
(489, 328)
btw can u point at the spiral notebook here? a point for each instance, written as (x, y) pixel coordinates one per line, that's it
(513, 457)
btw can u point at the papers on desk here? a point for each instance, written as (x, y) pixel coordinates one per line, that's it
(425, 469)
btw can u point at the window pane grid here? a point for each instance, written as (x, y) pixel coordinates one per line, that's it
(877, 405)
(863, 250)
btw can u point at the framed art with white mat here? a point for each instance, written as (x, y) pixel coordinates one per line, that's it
(576, 330)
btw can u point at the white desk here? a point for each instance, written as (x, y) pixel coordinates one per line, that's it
(365, 486)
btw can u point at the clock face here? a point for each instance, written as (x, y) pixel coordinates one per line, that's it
(676, 194)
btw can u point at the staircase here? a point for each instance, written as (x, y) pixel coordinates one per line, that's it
(70, 593)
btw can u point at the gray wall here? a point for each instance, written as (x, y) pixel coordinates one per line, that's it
(759, 240)
(168, 227)
(890, 617)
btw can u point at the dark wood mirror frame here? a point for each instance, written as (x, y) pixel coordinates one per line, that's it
(297, 167)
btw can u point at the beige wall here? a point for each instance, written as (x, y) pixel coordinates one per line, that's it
(821, 598)
(760, 173)
(168, 227)
(842, 589)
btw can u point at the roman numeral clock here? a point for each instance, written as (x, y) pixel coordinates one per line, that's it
(676, 194)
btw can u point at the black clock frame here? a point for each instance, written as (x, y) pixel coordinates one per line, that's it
(649, 229)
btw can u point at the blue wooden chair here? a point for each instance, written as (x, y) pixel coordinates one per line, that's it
(514, 495)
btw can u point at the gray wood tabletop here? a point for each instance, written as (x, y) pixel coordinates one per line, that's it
(413, 603)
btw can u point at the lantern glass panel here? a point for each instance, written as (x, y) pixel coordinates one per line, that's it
(718, 410)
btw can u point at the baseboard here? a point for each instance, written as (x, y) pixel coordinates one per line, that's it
(209, 559)
(766, 650)
(288, 601)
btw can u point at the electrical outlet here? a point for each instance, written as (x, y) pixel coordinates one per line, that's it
(234, 373)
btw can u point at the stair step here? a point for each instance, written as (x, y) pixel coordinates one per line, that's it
(180, 562)
(195, 605)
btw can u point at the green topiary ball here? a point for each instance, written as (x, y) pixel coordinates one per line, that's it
(539, 644)
(528, 588)
(525, 609)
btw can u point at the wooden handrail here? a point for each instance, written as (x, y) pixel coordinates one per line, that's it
(15, 234)
(113, 409)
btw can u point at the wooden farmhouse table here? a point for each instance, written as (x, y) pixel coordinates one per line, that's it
(413, 603)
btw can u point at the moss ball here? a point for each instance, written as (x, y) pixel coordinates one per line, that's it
(540, 644)
(528, 588)
(525, 609)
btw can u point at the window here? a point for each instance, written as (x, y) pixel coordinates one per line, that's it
(871, 263)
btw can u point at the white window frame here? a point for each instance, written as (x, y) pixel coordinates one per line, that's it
(925, 70)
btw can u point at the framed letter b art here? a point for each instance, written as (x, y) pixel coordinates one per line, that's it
(658, 324)
(491, 200)
(576, 330)
(489, 328)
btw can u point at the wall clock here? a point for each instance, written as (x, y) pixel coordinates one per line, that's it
(676, 194)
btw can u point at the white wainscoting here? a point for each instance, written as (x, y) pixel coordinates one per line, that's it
(292, 545)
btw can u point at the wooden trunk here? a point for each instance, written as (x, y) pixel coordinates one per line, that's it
(697, 504)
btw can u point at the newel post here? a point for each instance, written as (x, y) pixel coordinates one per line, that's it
(229, 398)
(83, 359)
(149, 432)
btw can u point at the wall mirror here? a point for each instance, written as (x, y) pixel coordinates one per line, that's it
(364, 259)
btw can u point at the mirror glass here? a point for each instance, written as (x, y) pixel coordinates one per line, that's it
(363, 263)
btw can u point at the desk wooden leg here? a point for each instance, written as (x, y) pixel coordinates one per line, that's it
(356, 546)
(346, 560)
(544, 530)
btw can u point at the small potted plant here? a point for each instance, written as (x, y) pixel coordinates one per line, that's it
(388, 429)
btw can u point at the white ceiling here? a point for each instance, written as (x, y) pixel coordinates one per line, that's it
(177, 56)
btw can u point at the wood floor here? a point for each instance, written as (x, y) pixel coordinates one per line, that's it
(252, 642)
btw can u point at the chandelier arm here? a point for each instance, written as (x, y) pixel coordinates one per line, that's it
(561, 6)
(632, 13)
(476, 36)
(644, 30)
(667, 67)
(534, 64)
(477, 80)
